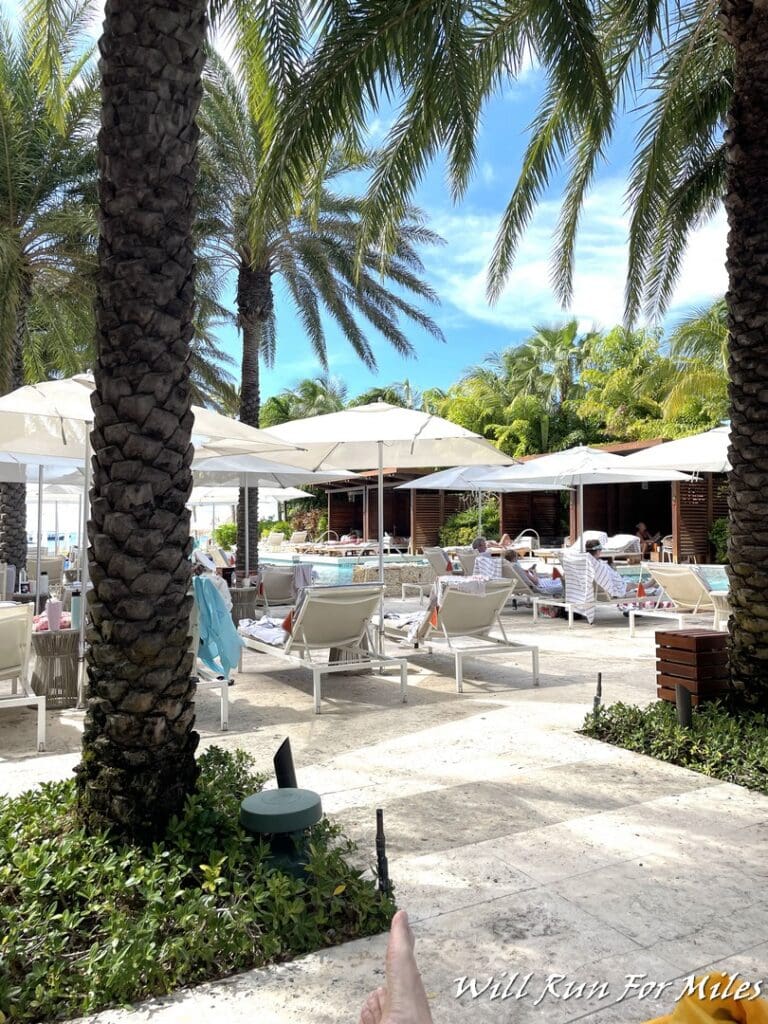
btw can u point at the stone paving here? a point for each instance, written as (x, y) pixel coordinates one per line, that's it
(521, 849)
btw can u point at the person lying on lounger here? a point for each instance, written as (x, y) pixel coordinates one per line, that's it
(547, 584)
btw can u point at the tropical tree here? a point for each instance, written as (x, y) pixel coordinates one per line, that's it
(699, 345)
(47, 237)
(313, 396)
(400, 393)
(310, 246)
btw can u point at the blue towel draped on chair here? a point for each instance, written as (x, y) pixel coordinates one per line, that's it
(219, 643)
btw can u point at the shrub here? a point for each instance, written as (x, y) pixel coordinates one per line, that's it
(461, 528)
(309, 519)
(87, 922)
(721, 744)
(718, 538)
(266, 526)
(226, 535)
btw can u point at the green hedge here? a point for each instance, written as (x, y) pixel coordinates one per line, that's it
(87, 923)
(461, 528)
(726, 746)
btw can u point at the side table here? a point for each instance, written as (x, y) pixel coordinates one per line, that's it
(54, 666)
(243, 602)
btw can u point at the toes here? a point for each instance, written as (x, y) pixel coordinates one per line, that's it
(373, 1008)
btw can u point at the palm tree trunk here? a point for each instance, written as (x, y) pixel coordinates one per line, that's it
(13, 497)
(746, 26)
(138, 747)
(255, 303)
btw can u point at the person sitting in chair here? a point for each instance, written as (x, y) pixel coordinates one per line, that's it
(549, 584)
(646, 539)
(485, 565)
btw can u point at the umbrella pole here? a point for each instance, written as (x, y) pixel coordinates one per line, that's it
(247, 529)
(581, 516)
(56, 528)
(479, 513)
(39, 534)
(381, 542)
(84, 567)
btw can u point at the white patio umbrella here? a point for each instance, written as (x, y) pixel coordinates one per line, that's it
(573, 468)
(700, 453)
(211, 496)
(362, 436)
(457, 478)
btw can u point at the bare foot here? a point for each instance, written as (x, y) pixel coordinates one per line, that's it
(403, 999)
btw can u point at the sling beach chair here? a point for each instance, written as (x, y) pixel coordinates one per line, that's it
(462, 624)
(330, 621)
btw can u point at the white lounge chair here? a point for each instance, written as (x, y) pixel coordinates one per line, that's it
(465, 621)
(684, 586)
(337, 620)
(527, 541)
(277, 587)
(467, 561)
(624, 547)
(582, 590)
(15, 643)
(274, 541)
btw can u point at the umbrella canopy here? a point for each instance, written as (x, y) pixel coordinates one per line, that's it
(351, 440)
(230, 495)
(361, 436)
(576, 467)
(700, 453)
(50, 420)
(213, 470)
(457, 478)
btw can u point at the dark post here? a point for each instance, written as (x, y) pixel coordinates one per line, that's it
(683, 704)
(598, 698)
(285, 773)
(381, 854)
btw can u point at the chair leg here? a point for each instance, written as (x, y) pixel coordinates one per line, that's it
(570, 616)
(41, 723)
(403, 682)
(224, 705)
(535, 608)
(631, 622)
(459, 673)
(316, 688)
(535, 661)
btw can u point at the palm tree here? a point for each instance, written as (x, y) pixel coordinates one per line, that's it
(699, 344)
(313, 396)
(400, 393)
(47, 238)
(310, 246)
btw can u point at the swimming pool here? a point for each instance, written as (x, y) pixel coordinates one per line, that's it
(337, 571)
(715, 575)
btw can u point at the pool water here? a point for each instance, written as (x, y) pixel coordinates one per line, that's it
(715, 575)
(337, 571)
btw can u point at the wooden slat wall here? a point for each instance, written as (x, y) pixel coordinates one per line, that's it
(426, 519)
(343, 514)
(694, 519)
(537, 510)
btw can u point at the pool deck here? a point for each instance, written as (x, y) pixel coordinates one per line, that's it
(517, 845)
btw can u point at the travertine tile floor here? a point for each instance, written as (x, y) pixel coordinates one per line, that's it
(519, 847)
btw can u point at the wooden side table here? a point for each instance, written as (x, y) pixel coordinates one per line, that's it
(54, 666)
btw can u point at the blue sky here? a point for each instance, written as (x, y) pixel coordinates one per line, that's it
(457, 271)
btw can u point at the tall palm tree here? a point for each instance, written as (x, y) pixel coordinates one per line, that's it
(309, 246)
(400, 393)
(47, 238)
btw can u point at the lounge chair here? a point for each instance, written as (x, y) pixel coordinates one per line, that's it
(214, 641)
(667, 548)
(274, 541)
(467, 561)
(277, 586)
(15, 643)
(465, 621)
(582, 590)
(296, 541)
(526, 542)
(684, 586)
(439, 563)
(578, 548)
(624, 547)
(337, 620)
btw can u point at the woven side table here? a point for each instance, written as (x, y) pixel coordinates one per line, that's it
(54, 666)
(243, 602)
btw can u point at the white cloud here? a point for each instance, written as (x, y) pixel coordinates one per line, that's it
(460, 268)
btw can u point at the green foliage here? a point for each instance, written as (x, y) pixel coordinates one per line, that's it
(720, 744)
(718, 538)
(266, 526)
(88, 923)
(461, 528)
(225, 535)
